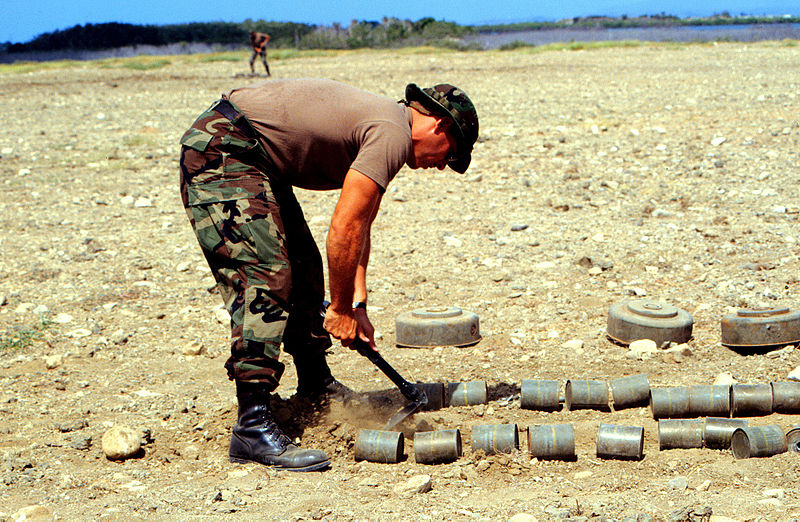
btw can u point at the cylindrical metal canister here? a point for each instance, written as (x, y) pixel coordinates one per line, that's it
(620, 442)
(468, 393)
(552, 442)
(538, 394)
(709, 401)
(717, 431)
(586, 394)
(432, 447)
(680, 433)
(786, 397)
(669, 402)
(758, 441)
(748, 400)
(793, 440)
(495, 438)
(379, 446)
(630, 391)
(435, 393)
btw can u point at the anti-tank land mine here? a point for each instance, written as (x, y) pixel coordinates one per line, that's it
(657, 172)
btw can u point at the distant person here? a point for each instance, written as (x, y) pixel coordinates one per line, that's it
(258, 41)
(239, 163)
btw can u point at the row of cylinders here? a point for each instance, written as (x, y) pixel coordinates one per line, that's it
(736, 400)
(557, 441)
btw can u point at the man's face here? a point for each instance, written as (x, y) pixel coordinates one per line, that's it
(433, 144)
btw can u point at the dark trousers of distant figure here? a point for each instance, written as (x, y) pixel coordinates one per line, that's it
(258, 245)
(263, 54)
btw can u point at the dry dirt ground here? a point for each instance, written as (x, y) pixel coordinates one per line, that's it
(615, 155)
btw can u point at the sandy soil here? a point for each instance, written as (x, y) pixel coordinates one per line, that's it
(613, 155)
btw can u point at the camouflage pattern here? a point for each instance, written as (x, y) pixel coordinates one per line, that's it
(254, 236)
(449, 101)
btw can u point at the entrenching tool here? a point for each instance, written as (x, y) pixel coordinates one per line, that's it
(415, 395)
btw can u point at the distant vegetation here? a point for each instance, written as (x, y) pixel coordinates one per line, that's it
(389, 32)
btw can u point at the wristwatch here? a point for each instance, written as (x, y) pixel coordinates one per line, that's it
(359, 304)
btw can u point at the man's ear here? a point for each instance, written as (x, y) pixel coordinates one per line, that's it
(442, 124)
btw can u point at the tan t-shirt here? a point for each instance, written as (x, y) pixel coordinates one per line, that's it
(314, 130)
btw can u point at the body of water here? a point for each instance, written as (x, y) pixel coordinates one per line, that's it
(702, 33)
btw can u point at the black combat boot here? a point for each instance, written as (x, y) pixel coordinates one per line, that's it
(314, 379)
(257, 438)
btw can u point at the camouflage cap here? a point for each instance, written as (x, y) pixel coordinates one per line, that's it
(450, 101)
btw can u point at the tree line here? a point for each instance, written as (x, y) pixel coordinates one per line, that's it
(386, 33)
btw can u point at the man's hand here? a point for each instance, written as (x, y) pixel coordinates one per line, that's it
(347, 326)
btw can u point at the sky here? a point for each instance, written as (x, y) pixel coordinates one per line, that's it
(24, 20)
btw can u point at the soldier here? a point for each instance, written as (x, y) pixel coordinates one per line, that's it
(239, 162)
(258, 41)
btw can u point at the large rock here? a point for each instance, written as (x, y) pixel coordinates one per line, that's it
(121, 442)
(414, 485)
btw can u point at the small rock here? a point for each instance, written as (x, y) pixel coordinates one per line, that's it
(519, 227)
(80, 442)
(24, 308)
(35, 512)
(523, 517)
(453, 241)
(573, 344)
(126, 201)
(774, 493)
(642, 349)
(704, 486)
(678, 483)
(119, 337)
(193, 349)
(595, 270)
(583, 475)
(794, 375)
(73, 425)
(414, 485)
(51, 362)
(724, 379)
(482, 466)
(121, 442)
(222, 316)
(142, 203)
(183, 267)
(189, 452)
(774, 502)
(3, 300)
(63, 319)
(41, 310)
(719, 140)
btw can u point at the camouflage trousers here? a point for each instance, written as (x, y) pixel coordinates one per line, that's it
(258, 245)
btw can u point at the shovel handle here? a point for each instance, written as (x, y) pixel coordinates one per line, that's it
(408, 390)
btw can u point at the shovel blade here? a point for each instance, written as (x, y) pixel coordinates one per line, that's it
(404, 413)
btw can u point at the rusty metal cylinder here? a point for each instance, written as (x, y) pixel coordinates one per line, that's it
(468, 393)
(717, 431)
(785, 397)
(552, 442)
(793, 440)
(379, 446)
(749, 400)
(630, 391)
(620, 442)
(669, 402)
(495, 438)
(709, 401)
(680, 433)
(433, 447)
(435, 393)
(758, 441)
(586, 394)
(538, 394)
